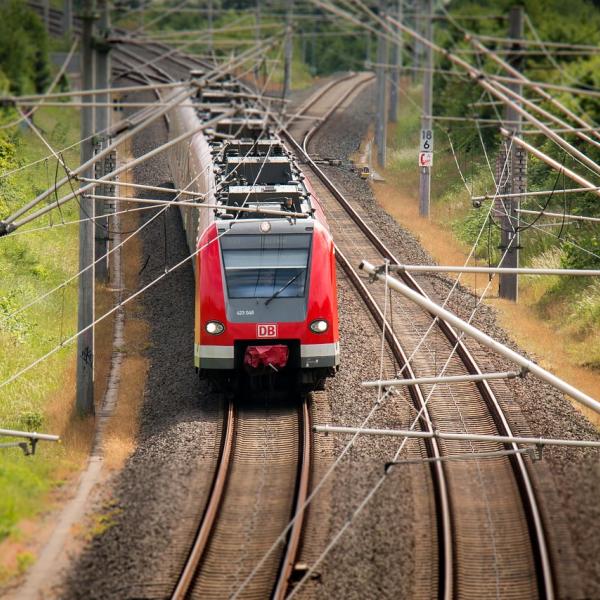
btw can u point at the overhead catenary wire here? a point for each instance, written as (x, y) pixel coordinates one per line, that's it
(143, 186)
(550, 161)
(527, 42)
(555, 64)
(63, 285)
(30, 98)
(347, 447)
(205, 206)
(520, 78)
(494, 87)
(76, 222)
(9, 223)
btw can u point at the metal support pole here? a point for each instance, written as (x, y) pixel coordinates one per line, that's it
(448, 435)
(102, 50)
(509, 246)
(483, 338)
(385, 383)
(497, 270)
(426, 122)
(397, 50)
(381, 125)
(289, 49)
(67, 16)
(85, 312)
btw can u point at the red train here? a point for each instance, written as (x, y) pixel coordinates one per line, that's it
(266, 299)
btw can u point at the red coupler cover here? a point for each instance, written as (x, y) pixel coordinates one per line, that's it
(263, 356)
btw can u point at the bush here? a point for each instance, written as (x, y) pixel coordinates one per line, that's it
(23, 48)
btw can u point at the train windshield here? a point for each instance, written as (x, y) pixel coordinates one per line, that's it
(266, 266)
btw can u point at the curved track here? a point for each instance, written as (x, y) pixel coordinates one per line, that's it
(491, 536)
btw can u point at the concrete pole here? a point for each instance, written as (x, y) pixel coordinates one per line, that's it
(102, 124)
(85, 312)
(289, 49)
(426, 122)
(67, 16)
(417, 47)
(381, 124)
(397, 49)
(508, 283)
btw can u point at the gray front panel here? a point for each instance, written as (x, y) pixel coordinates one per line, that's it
(279, 309)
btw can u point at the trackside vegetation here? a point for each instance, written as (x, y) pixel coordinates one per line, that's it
(32, 263)
(571, 305)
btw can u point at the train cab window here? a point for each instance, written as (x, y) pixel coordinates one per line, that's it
(266, 266)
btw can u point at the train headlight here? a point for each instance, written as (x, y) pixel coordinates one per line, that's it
(214, 327)
(319, 326)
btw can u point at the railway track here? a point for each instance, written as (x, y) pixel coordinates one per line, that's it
(490, 534)
(261, 481)
(491, 540)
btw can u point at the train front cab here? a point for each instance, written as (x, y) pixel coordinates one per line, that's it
(266, 303)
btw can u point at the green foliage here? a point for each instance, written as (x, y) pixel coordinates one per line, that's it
(23, 48)
(30, 265)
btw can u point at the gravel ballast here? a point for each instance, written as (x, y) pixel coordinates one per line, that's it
(166, 480)
(387, 550)
(567, 481)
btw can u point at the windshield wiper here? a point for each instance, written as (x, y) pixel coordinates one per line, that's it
(284, 287)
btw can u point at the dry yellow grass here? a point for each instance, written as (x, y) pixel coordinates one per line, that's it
(122, 429)
(527, 329)
(121, 432)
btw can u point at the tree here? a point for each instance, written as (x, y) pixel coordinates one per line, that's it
(23, 48)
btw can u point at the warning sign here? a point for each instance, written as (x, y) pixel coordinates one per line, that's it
(425, 159)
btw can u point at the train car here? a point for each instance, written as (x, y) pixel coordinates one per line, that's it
(266, 297)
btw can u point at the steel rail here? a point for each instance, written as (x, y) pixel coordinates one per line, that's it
(211, 512)
(544, 573)
(314, 98)
(333, 108)
(299, 514)
(218, 490)
(441, 493)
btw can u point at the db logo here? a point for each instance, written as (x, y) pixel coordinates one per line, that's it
(266, 330)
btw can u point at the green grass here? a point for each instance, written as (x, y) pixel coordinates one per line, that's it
(31, 264)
